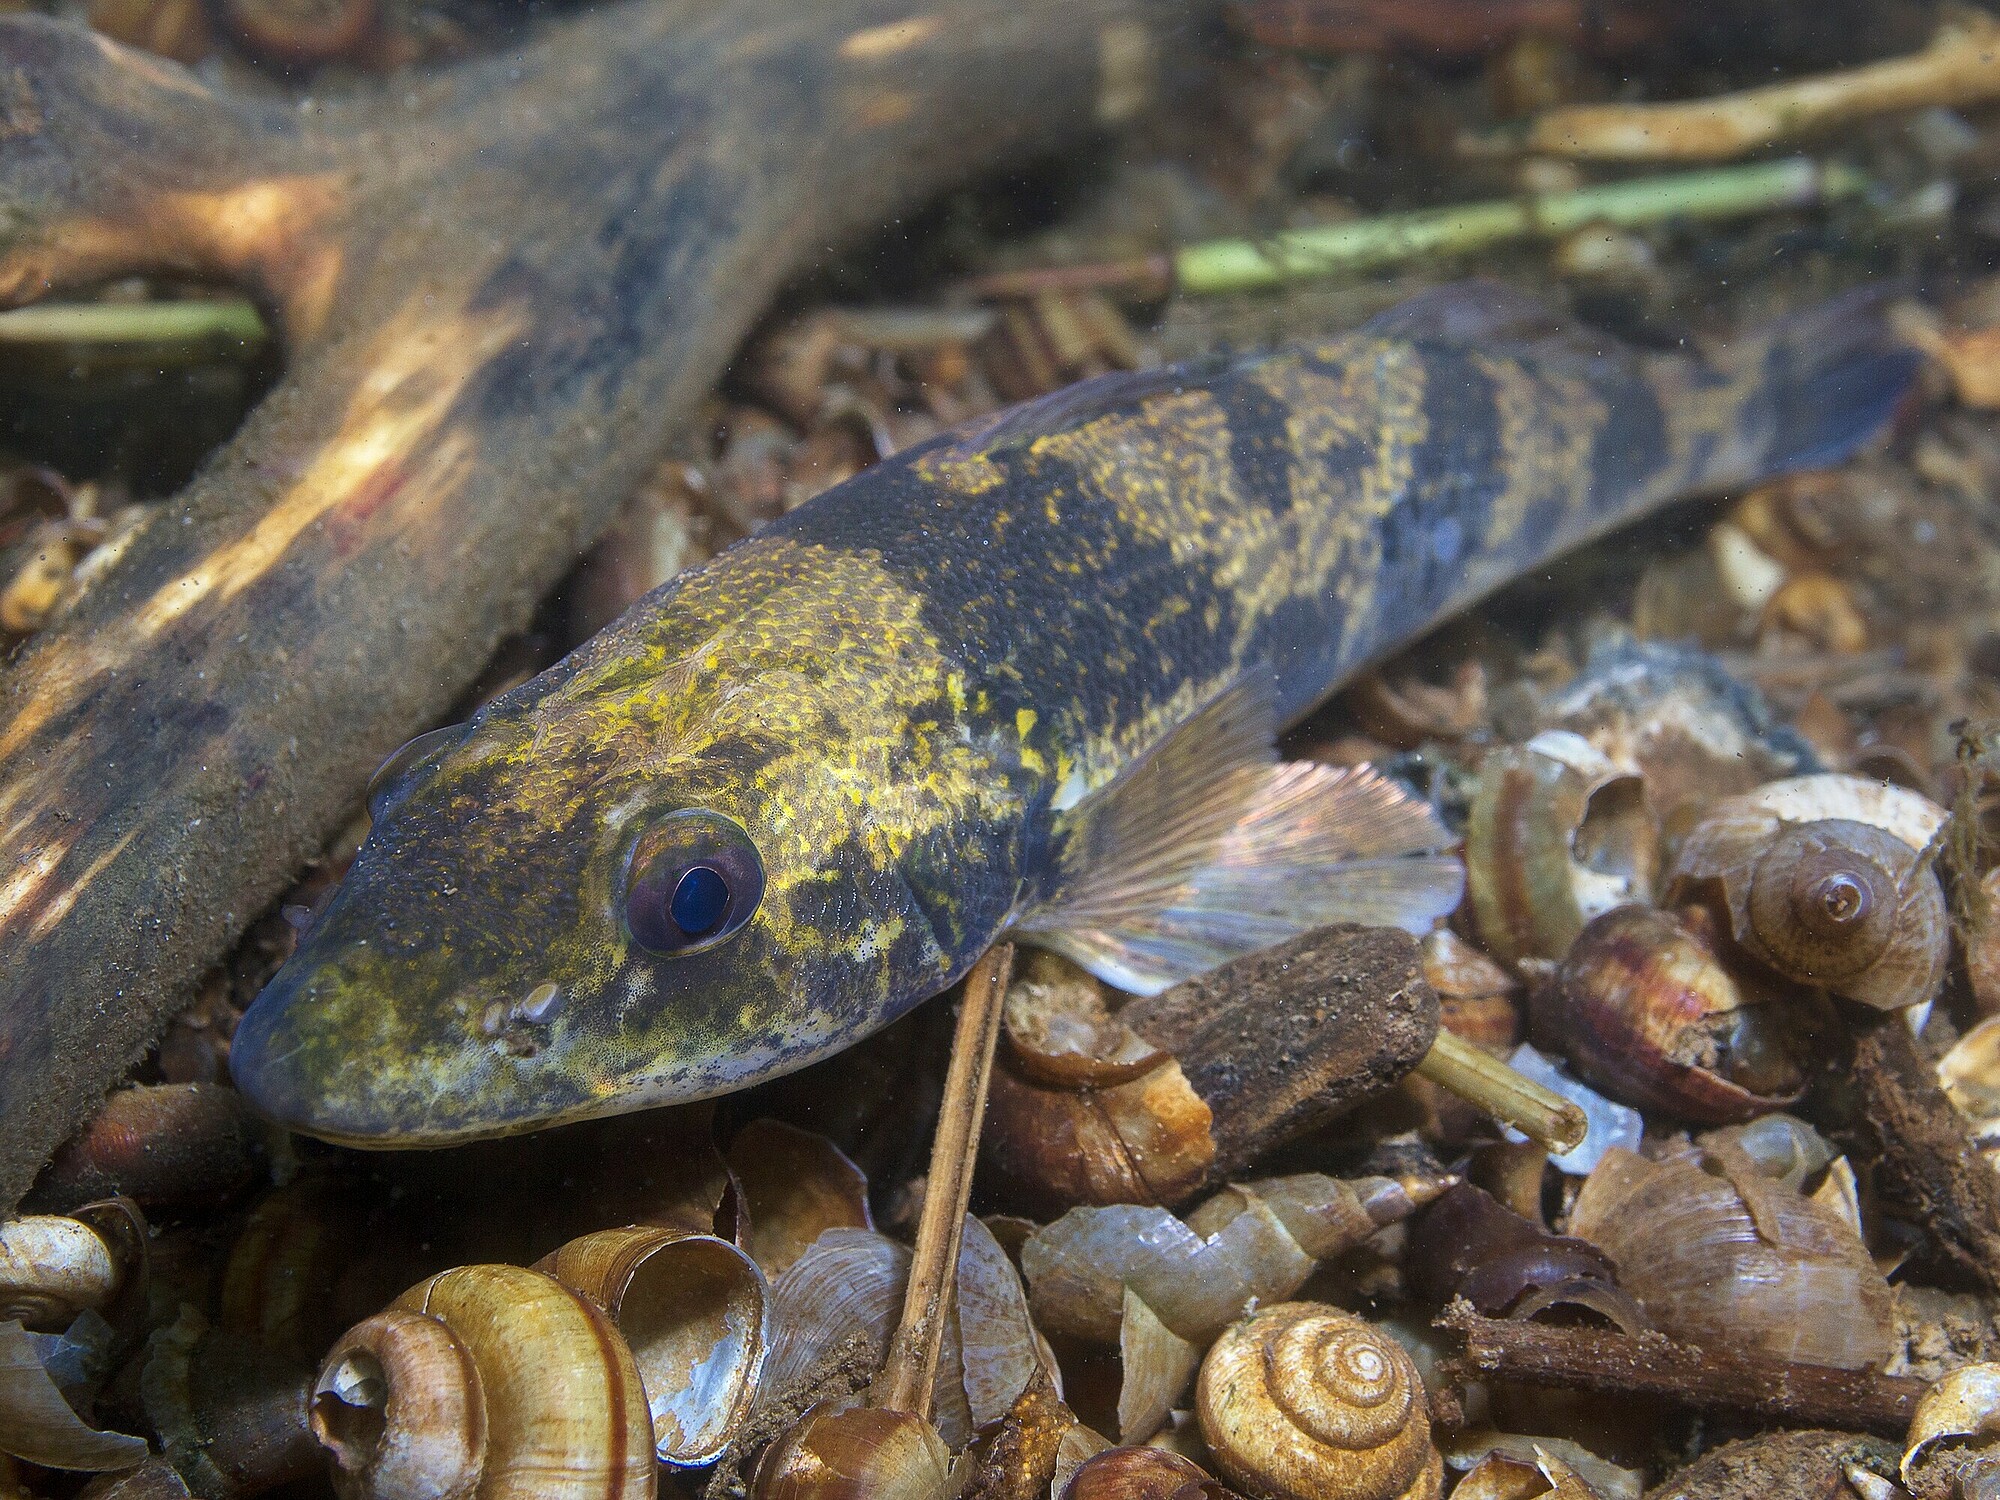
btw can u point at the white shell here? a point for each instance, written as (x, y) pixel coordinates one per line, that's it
(1898, 811)
(52, 1267)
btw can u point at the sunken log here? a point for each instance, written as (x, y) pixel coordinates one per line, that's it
(501, 286)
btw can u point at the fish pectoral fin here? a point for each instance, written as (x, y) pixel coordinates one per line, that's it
(1210, 848)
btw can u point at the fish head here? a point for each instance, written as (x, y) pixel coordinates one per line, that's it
(566, 910)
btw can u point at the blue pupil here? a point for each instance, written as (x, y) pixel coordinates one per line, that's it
(699, 902)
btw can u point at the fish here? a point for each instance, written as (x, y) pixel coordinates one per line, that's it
(1023, 680)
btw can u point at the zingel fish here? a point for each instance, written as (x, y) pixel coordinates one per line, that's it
(1023, 678)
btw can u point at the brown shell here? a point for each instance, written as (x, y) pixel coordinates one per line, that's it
(1647, 1011)
(1303, 1400)
(1823, 879)
(1556, 835)
(565, 1408)
(1745, 1264)
(1082, 1109)
(1137, 1473)
(692, 1309)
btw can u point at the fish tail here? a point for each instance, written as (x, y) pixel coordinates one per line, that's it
(1819, 385)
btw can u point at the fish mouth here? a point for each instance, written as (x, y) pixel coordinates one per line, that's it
(299, 1068)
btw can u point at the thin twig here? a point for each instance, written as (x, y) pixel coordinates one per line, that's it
(911, 1368)
(1961, 66)
(1591, 1359)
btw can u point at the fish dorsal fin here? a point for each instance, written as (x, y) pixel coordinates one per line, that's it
(1085, 401)
(1210, 848)
(1477, 310)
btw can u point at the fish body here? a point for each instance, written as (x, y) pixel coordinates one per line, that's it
(1022, 678)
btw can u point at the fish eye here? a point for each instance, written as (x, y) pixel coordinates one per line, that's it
(390, 774)
(694, 878)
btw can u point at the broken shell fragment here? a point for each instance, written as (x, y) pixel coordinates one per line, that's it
(1303, 1400)
(1558, 834)
(1953, 1415)
(1469, 1245)
(1141, 1473)
(849, 1286)
(1823, 879)
(38, 1424)
(1743, 1263)
(791, 1187)
(692, 1310)
(1969, 1074)
(1646, 1010)
(564, 1411)
(860, 1453)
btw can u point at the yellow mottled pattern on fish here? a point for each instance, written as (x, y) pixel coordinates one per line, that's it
(896, 723)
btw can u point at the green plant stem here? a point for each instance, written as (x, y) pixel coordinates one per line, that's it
(133, 322)
(1363, 244)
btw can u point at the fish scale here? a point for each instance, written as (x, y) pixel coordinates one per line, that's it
(1023, 678)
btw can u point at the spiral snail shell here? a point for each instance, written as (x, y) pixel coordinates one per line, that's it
(1301, 1399)
(486, 1382)
(1824, 884)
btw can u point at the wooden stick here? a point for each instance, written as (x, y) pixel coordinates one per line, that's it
(1590, 1359)
(1960, 67)
(910, 1371)
(1928, 1164)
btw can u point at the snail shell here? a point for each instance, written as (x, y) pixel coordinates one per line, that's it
(1082, 1109)
(52, 1267)
(1303, 1400)
(404, 1381)
(1557, 834)
(1961, 1412)
(1821, 878)
(1737, 1262)
(1467, 1244)
(1648, 1012)
(490, 1381)
(692, 1310)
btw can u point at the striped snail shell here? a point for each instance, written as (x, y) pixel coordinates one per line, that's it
(1303, 1400)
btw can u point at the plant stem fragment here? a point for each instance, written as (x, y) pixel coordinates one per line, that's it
(1484, 1081)
(133, 322)
(1590, 1359)
(911, 1368)
(1216, 267)
(1365, 244)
